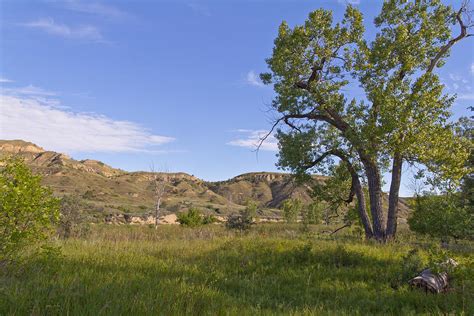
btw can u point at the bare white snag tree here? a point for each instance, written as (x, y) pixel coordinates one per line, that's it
(159, 183)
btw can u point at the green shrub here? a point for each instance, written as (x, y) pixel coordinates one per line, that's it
(72, 220)
(291, 209)
(241, 221)
(244, 219)
(311, 214)
(27, 209)
(191, 218)
(442, 216)
(209, 219)
(251, 209)
(411, 265)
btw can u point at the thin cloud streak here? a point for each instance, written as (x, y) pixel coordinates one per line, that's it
(200, 9)
(5, 80)
(466, 96)
(29, 90)
(353, 2)
(252, 138)
(84, 32)
(95, 8)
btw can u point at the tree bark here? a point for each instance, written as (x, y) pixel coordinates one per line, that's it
(361, 206)
(392, 216)
(364, 217)
(375, 199)
(157, 212)
(357, 186)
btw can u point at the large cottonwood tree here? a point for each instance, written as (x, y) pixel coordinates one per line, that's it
(401, 118)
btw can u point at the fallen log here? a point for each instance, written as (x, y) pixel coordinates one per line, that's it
(434, 282)
(431, 282)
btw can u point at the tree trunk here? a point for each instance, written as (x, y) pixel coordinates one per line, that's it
(375, 196)
(393, 196)
(157, 213)
(364, 217)
(361, 207)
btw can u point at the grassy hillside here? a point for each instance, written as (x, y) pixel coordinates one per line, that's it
(106, 190)
(275, 269)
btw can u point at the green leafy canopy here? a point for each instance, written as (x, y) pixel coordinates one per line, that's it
(404, 108)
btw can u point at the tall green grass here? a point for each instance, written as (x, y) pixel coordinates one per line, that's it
(275, 269)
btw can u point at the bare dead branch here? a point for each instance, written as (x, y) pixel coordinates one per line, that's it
(342, 227)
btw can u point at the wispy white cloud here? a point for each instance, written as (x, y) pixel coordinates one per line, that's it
(44, 121)
(472, 68)
(353, 2)
(30, 90)
(466, 96)
(5, 80)
(84, 32)
(253, 79)
(96, 8)
(200, 8)
(252, 138)
(458, 78)
(456, 83)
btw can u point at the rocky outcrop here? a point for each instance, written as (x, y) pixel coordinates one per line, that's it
(19, 146)
(120, 219)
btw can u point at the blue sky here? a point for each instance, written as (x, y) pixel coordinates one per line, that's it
(169, 82)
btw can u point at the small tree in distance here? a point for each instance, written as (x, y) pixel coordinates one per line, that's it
(159, 184)
(72, 219)
(244, 219)
(191, 218)
(291, 209)
(312, 213)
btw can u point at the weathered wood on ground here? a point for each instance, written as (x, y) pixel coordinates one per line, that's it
(431, 282)
(434, 282)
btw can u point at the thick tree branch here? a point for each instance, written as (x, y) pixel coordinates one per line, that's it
(351, 193)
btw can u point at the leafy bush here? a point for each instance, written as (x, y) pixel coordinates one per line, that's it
(315, 212)
(72, 220)
(291, 209)
(411, 264)
(209, 219)
(251, 208)
(244, 219)
(191, 218)
(27, 209)
(442, 216)
(241, 221)
(311, 214)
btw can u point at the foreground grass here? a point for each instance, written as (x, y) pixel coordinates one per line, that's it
(273, 270)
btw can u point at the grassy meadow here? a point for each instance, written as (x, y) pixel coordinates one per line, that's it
(273, 269)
